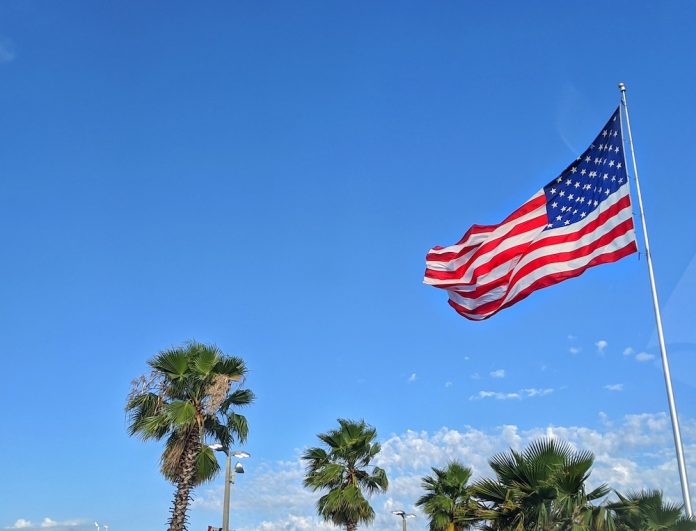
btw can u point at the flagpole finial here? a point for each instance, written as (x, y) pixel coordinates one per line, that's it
(622, 87)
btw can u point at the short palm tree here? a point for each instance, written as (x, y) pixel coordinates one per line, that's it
(187, 398)
(342, 470)
(542, 488)
(448, 501)
(647, 511)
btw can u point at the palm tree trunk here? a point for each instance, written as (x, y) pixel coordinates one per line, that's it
(351, 526)
(182, 497)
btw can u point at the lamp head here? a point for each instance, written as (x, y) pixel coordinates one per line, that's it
(241, 454)
(238, 468)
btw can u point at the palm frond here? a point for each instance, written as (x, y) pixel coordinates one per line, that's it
(232, 367)
(180, 412)
(238, 427)
(238, 398)
(173, 363)
(342, 469)
(205, 359)
(187, 398)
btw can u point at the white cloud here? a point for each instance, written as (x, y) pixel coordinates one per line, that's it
(605, 420)
(412, 378)
(644, 356)
(601, 346)
(614, 387)
(493, 394)
(292, 523)
(574, 350)
(571, 337)
(448, 384)
(516, 395)
(628, 351)
(537, 392)
(499, 373)
(475, 376)
(466, 358)
(631, 453)
(7, 52)
(278, 486)
(49, 523)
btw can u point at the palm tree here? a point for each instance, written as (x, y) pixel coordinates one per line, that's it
(542, 488)
(187, 397)
(341, 469)
(646, 510)
(448, 501)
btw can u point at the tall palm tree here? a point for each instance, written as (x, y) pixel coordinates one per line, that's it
(542, 488)
(646, 510)
(187, 398)
(342, 470)
(448, 501)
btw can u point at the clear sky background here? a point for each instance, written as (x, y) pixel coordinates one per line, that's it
(268, 176)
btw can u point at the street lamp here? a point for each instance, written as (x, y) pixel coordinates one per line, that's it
(404, 515)
(229, 478)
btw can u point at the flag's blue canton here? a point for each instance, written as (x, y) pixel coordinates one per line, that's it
(594, 176)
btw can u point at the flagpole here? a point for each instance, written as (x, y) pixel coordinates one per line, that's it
(660, 335)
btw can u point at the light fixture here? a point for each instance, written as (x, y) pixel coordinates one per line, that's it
(404, 515)
(230, 472)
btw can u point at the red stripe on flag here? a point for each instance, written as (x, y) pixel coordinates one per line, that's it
(480, 314)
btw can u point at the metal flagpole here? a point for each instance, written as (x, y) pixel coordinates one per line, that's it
(661, 338)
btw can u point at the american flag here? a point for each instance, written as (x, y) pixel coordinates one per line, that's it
(580, 219)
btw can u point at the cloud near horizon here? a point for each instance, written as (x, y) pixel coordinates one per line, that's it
(76, 524)
(631, 453)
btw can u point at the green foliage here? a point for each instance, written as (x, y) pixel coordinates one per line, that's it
(448, 501)
(188, 399)
(646, 510)
(542, 488)
(342, 470)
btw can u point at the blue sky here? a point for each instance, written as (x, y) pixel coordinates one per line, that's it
(268, 176)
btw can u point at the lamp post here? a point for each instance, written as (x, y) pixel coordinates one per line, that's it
(404, 515)
(229, 478)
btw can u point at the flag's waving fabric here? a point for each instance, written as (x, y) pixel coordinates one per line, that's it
(580, 219)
